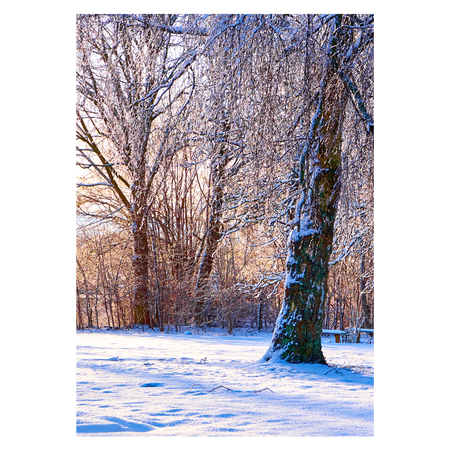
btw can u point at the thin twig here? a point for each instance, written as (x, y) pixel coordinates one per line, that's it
(196, 384)
(228, 389)
(224, 387)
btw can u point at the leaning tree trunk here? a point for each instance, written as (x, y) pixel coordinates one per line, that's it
(213, 235)
(297, 334)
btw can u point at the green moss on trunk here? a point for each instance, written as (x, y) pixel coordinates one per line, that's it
(297, 336)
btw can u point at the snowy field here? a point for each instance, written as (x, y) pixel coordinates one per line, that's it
(132, 383)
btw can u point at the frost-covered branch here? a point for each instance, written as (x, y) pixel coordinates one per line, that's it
(94, 184)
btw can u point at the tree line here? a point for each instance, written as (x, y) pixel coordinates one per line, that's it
(226, 174)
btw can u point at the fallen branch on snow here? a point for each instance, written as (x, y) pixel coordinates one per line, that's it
(228, 389)
(265, 389)
(197, 384)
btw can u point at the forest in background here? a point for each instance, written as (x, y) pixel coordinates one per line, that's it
(190, 131)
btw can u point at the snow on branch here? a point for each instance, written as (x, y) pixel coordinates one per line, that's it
(192, 30)
(342, 254)
(94, 184)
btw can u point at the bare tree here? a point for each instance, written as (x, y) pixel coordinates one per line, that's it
(214, 137)
(133, 84)
(236, 127)
(297, 335)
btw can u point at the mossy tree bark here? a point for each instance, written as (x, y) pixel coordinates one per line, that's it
(297, 334)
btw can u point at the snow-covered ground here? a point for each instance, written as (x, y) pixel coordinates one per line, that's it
(132, 383)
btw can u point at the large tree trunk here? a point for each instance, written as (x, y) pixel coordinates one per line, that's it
(140, 268)
(297, 334)
(141, 249)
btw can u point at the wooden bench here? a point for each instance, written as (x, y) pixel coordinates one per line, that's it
(358, 331)
(369, 331)
(337, 335)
